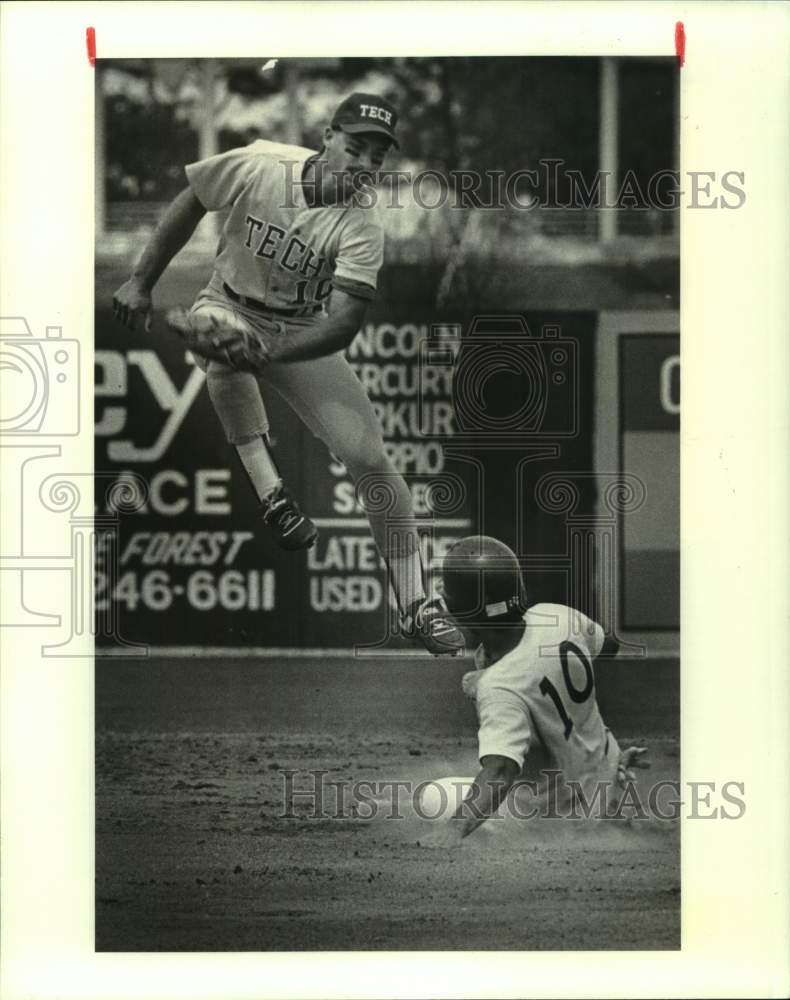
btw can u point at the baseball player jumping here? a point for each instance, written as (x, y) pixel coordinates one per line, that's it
(295, 271)
(533, 684)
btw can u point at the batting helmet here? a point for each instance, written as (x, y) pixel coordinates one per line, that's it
(482, 581)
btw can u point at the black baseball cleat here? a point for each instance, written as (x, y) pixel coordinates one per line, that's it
(428, 621)
(290, 527)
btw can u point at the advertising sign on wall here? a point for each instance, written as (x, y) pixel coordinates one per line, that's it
(474, 411)
(193, 563)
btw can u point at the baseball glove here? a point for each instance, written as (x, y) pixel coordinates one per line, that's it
(220, 335)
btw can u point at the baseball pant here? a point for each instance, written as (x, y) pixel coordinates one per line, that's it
(329, 399)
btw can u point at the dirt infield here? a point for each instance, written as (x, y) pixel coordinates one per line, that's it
(192, 852)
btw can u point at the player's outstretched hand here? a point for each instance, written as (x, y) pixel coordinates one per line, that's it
(629, 759)
(130, 301)
(469, 683)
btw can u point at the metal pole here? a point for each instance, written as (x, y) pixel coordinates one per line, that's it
(208, 130)
(208, 139)
(608, 133)
(294, 130)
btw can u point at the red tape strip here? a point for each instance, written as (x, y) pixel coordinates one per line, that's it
(680, 42)
(90, 42)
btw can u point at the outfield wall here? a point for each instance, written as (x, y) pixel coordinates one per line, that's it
(187, 562)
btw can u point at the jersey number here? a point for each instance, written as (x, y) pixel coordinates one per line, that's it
(576, 695)
(323, 291)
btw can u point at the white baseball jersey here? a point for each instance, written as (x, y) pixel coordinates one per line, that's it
(544, 691)
(276, 249)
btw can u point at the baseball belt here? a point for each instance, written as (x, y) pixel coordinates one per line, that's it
(249, 303)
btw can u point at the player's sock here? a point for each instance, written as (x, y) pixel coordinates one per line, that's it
(387, 501)
(424, 619)
(259, 466)
(405, 569)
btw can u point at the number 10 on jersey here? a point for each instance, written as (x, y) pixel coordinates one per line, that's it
(576, 695)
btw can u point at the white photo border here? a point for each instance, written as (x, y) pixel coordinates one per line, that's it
(734, 448)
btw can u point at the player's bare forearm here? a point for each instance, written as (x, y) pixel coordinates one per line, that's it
(133, 298)
(332, 334)
(490, 787)
(171, 235)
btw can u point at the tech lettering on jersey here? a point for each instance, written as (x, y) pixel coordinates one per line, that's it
(292, 255)
(274, 248)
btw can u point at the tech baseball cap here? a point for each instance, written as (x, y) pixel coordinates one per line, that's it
(367, 113)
